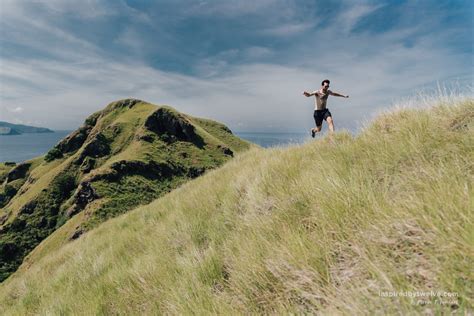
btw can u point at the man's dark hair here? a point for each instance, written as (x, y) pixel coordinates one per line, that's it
(325, 80)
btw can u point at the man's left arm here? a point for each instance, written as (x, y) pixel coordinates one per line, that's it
(338, 94)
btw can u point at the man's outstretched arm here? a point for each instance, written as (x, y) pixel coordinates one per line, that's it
(339, 95)
(308, 94)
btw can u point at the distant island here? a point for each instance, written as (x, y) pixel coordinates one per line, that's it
(17, 129)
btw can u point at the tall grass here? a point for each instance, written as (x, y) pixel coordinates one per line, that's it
(333, 226)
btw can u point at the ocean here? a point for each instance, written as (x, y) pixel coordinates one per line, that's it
(274, 139)
(22, 147)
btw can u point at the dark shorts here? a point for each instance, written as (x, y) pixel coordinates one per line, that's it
(320, 115)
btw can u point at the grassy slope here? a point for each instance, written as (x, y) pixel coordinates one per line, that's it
(321, 227)
(43, 174)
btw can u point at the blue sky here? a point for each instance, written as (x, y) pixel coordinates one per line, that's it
(244, 63)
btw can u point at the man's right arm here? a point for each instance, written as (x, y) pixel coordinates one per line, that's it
(308, 94)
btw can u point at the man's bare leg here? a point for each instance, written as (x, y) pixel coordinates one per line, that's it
(330, 124)
(315, 130)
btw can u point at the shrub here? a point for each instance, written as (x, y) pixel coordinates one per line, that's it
(53, 154)
(9, 190)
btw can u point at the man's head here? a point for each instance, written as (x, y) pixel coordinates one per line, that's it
(325, 84)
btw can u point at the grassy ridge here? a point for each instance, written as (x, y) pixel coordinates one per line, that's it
(326, 227)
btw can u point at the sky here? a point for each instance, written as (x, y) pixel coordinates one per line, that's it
(243, 63)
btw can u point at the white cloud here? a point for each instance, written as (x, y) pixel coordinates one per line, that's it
(23, 26)
(256, 52)
(288, 29)
(17, 109)
(353, 14)
(86, 9)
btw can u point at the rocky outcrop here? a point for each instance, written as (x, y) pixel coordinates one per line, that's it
(75, 140)
(84, 195)
(3, 219)
(226, 150)
(99, 146)
(87, 165)
(78, 231)
(171, 127)
(71, 143)
(91, 121)
(194, 172)
(19, 172)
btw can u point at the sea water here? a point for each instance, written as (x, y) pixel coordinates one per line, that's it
(274, 139)
(22, 147)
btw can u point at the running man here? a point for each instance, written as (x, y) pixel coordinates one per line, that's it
(321, 112)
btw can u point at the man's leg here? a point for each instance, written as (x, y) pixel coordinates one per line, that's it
(318, 120)
(315, 130)
(330, 123)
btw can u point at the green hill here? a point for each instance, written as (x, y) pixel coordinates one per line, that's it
(334, 226)
(16, 129)
(126, 155)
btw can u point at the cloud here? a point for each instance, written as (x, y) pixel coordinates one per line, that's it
(17, 109)
(90, 9)
(31, 28)
(256, 52)
(288, 29)
(349, 18)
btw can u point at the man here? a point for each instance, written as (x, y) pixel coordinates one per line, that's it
(321, 112)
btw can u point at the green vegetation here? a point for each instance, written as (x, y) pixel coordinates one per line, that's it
(9, 191)
(119, 159)
(54, 153)
(12, 177)
(129, 192)
(35, 222)
(326, 227)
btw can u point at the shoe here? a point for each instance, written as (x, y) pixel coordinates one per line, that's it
(313, 133)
